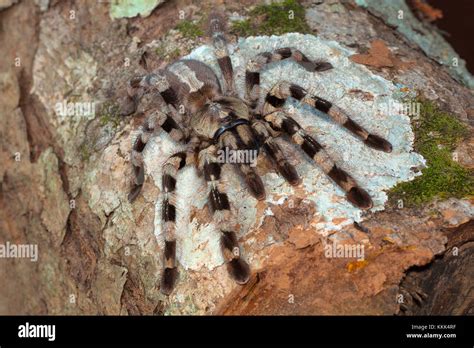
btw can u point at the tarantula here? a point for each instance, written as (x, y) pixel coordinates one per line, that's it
(206, 118)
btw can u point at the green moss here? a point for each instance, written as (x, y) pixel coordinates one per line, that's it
(242, 28)
(109, 115)
(189, 29)
(437, 134)
(274, 19)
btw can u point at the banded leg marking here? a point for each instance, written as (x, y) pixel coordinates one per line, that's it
(275, 152)
(217, 28)
(168, 213)
(252, 74)
(283, 123)
(223, 217)
(278, 95)
(231, 140)
(139, 86)
(154, 121)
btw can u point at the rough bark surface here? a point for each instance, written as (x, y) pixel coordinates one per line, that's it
(99, 255)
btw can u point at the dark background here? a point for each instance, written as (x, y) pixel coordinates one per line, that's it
(458, 25)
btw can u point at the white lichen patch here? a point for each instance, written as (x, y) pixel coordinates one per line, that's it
(375, 171)
(128, 8)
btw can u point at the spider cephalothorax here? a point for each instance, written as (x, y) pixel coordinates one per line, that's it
(186, 100)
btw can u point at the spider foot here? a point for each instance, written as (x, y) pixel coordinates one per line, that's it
(128, 106)
(168, 280)
(239, 270)
(289, 173)
(316, 66)
(139, 173)
(378, 143)
(134, 192)
(255, 185)
(359, 197)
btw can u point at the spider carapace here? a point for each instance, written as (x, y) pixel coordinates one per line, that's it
(186, 100)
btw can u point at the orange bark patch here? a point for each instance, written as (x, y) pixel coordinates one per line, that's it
(379, 56)
(338, 221)
(302, 238)
(426, 11)
(355, 265)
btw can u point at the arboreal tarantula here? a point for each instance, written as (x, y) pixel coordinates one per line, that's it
(199, 113)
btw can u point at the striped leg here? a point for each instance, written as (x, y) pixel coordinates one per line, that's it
(170, 171)
(222, 216)
(275, 152)
(155, 119)
(241, 139)
(217, 29)
(279, 121)
(139, 86)
(254, 65)
(278, 95)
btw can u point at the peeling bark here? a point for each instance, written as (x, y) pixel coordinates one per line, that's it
(447, 281)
